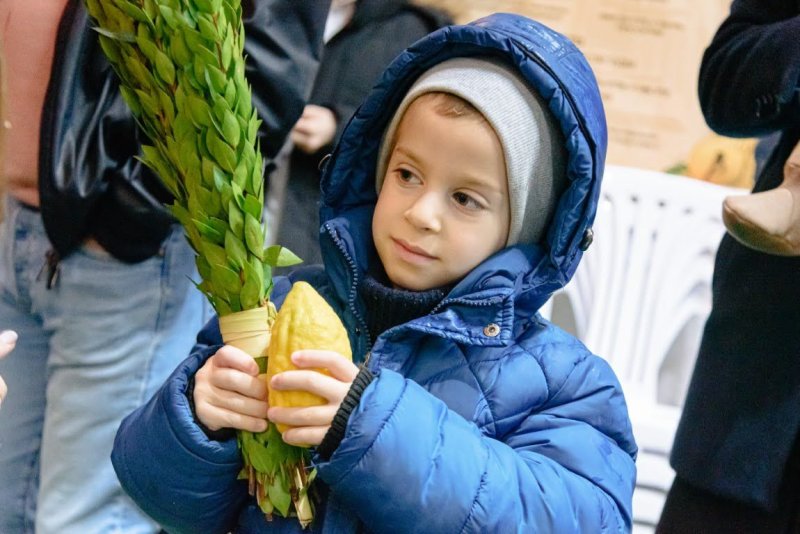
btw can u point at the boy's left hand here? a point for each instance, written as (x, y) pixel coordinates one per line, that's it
(311, 423)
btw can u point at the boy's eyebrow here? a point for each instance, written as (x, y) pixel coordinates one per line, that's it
(407, 153)
(478, 182)
(469, 180)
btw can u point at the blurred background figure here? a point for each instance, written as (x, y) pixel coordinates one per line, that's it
(95, 275)
(736, 452)
(361, 38)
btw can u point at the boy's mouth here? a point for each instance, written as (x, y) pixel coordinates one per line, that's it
(409, 251)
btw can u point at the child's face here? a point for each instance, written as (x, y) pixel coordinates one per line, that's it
(444, 205)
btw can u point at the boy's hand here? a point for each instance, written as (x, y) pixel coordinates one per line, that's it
(8, 339)
(311, 423)
(229, 394)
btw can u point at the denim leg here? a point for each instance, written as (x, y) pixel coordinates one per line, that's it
(118, 331)
(91, 349)
(22, 252)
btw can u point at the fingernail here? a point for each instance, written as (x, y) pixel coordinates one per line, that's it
(8, 337)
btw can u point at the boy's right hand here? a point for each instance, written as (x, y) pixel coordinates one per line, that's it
(229, 394)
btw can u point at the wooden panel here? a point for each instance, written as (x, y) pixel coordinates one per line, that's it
(646, 56)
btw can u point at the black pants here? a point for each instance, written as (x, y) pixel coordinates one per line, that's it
(690, 510)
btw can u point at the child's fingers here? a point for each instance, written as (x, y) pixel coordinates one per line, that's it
(305, 436)
(216, 418)
(243, 405)
(305, 416)
(339, 367)
(236, 381)
(313, 382)
(3, 389)
(216, 407)
(229, 356)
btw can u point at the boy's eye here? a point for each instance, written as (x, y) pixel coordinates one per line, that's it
(463, 199)
(405, 175)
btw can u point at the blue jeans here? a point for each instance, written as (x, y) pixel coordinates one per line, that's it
(91, 349)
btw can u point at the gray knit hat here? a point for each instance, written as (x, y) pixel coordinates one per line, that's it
(533, 146)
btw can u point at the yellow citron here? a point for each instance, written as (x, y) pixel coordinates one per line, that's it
(723, 160)
(305, 321)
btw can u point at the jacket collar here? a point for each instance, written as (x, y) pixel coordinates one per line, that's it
(479, 310)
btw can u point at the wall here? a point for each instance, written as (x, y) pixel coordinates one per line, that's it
(645, 54)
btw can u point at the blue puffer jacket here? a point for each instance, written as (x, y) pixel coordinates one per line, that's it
(461, 431)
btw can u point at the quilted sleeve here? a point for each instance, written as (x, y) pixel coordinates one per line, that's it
(410, 464)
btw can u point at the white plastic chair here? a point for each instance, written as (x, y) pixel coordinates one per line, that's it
(640, 299)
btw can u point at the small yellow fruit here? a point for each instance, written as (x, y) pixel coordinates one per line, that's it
(305, 321)
(723, 160)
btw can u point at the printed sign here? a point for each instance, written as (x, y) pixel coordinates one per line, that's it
(646, 55)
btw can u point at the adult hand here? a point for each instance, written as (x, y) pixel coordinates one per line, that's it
(8, 339)
(311, 423)
(229, 394)
(315, 129)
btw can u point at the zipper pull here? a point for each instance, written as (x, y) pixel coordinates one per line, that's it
(366, 360)
(52, 264)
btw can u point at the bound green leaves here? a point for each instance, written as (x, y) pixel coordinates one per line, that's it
(182, 72)
(181, 68)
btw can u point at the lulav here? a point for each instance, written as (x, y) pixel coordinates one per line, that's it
(182, 73)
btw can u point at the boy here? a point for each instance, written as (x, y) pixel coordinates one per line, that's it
(471, 413)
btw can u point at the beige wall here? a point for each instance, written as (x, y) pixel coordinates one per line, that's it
(645, 54)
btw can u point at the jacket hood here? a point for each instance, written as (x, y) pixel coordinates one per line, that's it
(553, 67)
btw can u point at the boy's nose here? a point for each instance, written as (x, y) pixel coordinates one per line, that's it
(425, 213)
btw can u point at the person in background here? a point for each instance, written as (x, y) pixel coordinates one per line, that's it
(457, 200)
(361, 38)
(737, 449)
(8, 338)
(95, 276)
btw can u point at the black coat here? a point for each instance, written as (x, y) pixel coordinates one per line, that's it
(352, 62)
(742, 413)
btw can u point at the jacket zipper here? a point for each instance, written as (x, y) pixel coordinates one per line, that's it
(351, 298)
(459, 300)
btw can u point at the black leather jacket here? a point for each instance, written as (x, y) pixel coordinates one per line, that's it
(91, 183)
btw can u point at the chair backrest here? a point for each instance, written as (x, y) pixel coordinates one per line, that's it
(640, 299)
